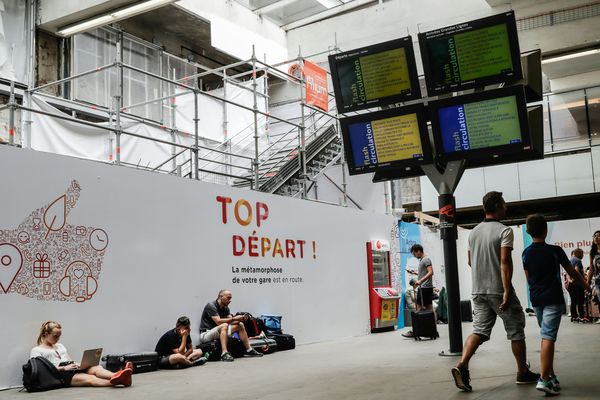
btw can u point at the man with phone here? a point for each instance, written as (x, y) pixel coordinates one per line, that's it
(219, 324)
(175, 347)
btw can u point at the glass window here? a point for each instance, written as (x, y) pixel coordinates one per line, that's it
(593, 95)
(568, 120)
(98, 48)
(547, 133)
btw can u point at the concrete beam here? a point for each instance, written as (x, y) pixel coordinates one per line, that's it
(57, 14)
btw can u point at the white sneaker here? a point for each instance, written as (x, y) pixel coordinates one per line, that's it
(598, 321)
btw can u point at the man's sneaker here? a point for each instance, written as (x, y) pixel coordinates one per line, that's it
(199, 361)
(555, 381)
(527, 377)
(227, 357)
(547, 387)
(408, 334)
(462, 378)
(252, 353)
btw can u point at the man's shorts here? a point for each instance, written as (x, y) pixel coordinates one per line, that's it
(548, 318)
(213, 334)
(486, 307)
(163, 363)
(427, 294)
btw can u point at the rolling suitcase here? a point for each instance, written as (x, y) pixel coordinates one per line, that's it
(466, 312)
(284, 341)
(142, 362)
(264, 345)
(423, 324)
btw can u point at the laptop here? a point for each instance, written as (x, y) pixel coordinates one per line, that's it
(90, 358)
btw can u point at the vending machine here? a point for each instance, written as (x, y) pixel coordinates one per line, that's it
(383, 299)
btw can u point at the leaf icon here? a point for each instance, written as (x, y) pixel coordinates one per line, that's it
(55, 215)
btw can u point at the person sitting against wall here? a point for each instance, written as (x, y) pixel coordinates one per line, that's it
(410, 296)
(219, 324)
(55, 352)
(175, 347)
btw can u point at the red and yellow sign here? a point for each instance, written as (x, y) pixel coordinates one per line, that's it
(388, 310)
(316, 86)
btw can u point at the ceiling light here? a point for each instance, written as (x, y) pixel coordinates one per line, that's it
(113, 16)
(571, 56)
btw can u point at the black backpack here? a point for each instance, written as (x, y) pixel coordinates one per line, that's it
(40, 375)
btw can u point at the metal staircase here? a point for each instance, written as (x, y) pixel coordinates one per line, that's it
(321, 152)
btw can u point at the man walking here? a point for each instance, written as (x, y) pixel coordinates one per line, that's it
(490, 247)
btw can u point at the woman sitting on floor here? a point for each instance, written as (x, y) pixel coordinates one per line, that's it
(49, 348)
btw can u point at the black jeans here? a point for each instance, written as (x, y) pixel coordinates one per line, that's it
(577, 295)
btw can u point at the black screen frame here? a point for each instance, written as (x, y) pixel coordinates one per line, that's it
(490, 155)
(406, 43)
(410, 164)
(507, 18)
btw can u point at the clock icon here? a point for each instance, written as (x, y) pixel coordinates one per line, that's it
(98, 239)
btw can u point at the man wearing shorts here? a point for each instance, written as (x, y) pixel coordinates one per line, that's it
(425, 281)
(218, 324)
(175, 347)
(490, 247)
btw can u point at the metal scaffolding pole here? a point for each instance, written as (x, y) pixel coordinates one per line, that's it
(255, 107)
(266, 98)
(195, 163)
(174, 125)
(11, 114)
(226, 122)
(119, 97)
(302, 149)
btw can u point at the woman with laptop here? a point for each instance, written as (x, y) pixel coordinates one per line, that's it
(74, 375)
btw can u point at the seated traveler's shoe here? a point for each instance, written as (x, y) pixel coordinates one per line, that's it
(227, 357)
(547, 387)
(462, 378)
(527, 377)
(252, 353)
(199, 361)
(129, 365)
(122, 377)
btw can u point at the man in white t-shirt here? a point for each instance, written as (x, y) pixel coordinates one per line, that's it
(490, 248)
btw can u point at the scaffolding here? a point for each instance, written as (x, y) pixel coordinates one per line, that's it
(199, 161)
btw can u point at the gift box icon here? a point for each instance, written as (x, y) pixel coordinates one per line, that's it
(41, 266)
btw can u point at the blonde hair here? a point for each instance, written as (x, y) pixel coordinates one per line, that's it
(46, 329)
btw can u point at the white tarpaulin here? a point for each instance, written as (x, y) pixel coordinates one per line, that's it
(73, 139)
(13, 40)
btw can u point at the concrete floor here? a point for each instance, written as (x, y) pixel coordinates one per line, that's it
(380, 366)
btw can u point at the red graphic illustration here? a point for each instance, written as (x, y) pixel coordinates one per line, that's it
(60, 257)
(447, 210)
(41, 266)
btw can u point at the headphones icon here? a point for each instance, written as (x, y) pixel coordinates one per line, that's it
(75, 273)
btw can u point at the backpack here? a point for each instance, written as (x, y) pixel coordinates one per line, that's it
(40, 375)
(272, 323)
(253, 325)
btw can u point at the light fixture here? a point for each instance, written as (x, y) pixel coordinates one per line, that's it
(571, 56)
(113, 16)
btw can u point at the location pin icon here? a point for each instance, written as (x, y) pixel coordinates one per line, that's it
(11, 262)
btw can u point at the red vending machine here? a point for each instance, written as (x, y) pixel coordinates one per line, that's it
(383, 299)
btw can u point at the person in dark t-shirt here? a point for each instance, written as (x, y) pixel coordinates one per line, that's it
(217, 323)
(542, 263)
(175, 347)
(575, 290)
